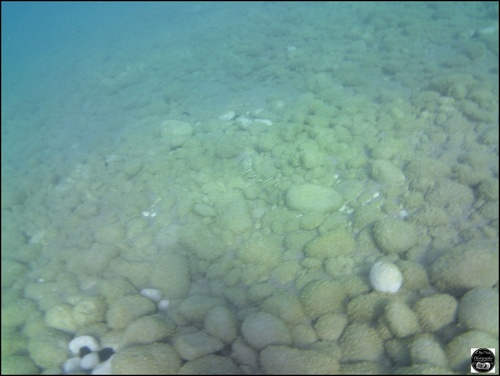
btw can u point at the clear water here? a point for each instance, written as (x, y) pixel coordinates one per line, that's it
(98, 188)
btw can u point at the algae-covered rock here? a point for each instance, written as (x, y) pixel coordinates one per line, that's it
(195, 307)
(287, 361)
(386, 173)
(221, 323)
(330, 326)
(361, 343)
(436, 311)
(153, 359)
(170, 274)
(320, 297)
(331, 244)
(192, 346)
(61, 317)
(235, 214)
(461, 269)
(478, 309)
(394, 235)
(175, 133)
(285, 306)
(260, 255)
(458, 349)
(423, 172)
(262, 329)
(125, 310)
(402, 321)
(19, 365)
(451, 195)
(148, 329)
(89, 310)
(210, 365)
(311, 197)
(425, 349)
(201, 241)
(48, 347)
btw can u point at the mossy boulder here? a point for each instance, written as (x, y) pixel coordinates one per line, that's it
(311, 197)
(460, 269)
(331, 244)
(394, 235)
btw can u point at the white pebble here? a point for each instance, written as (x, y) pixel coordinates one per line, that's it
(228, 116)
(89, 361)
(83, 341)
(145, 213)
(163, 305)
(386, 277)
(265, 121)
(153, 294)
(72, 365)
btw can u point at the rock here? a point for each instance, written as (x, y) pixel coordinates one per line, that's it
(148, 329)
(170, 274)
(195, 307)
(154, 359)
(461, 269)
(175, 133)
(360, 343)
(436, 311)
(478, 309)
(125, 310)
(320, 297)
(210, 365)
(394, 235)
(425, 349)
(386, 173)
(61, 317)
(386, 277)
(310, 197)
(285, 360)
(195, 345)
(80, 342)
(262, 329)
(153, 294)
(401, 320)
(221, 323)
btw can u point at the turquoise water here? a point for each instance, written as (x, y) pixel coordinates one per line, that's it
(259, 158)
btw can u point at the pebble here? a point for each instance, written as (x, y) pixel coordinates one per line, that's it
(153, 294)
(80, 342)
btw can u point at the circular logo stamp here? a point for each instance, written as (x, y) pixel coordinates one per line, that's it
(482, 360)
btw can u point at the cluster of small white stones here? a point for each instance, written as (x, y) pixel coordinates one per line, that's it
(156, 296)
(88, 357)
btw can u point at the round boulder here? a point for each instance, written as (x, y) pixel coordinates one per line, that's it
(461, 269)
(394, 235)
(311, 197)
(478, 309)
(262, 329)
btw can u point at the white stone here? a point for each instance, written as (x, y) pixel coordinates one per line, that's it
(153, 294)
(386, 277)
(265, 121)
(228, 116)
(89, 361)
(72, 365)
(83, 341)
(163, 305)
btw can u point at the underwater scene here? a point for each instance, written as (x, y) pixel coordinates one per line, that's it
(249, 187)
